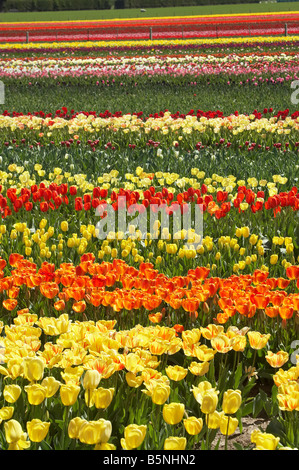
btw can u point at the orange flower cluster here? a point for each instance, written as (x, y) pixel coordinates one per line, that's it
(124, 287)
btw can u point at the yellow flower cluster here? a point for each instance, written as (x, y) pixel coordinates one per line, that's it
(151, 43)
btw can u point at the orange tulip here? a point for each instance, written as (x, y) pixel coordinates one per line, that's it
(277, 298)
(14, 258)
(259, 276)
(261, 301)
(155, 317)
(59, 305)
(282, 283)
(190, 305)
(286, 312)
(10, 304)
(49, 289)
(292, 272)
(271, 312)
(79, 306)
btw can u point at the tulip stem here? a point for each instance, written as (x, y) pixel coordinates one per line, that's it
(207, 439)
(226, 434)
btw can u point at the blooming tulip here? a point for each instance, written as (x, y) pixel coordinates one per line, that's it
(263, 440)
(51, 385)
(6, 412)
(14, 435)
(36, 393)
(199, 369)
(176, 373)
(278, 359)
(257, 340)
(213, 419)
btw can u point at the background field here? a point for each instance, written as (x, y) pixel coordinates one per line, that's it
(151, 12)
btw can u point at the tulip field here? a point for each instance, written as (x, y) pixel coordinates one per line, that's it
(117, 337)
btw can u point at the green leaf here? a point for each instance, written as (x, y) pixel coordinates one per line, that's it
(238, 375)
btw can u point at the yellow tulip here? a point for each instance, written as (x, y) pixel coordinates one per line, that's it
(199, 369)
(201, 389)
(51, 385)
(105, 446)
(176, 373)
(94, 432)
(69, 393)
(257, 340)
(278, 359)
(37, 430)
(209, 402)
(74, 427)
(175, 443)
(134, 380)
(228, 425)
(33, 368)
(102, 397)
(36, 393)
(193, 425)
(213, 419)
(232, 400)
(6, 412)
(11, 393)
(263, 440)
(14, 435)
(91, 379)
(134, 436)
(173, 412)
(64, 226)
